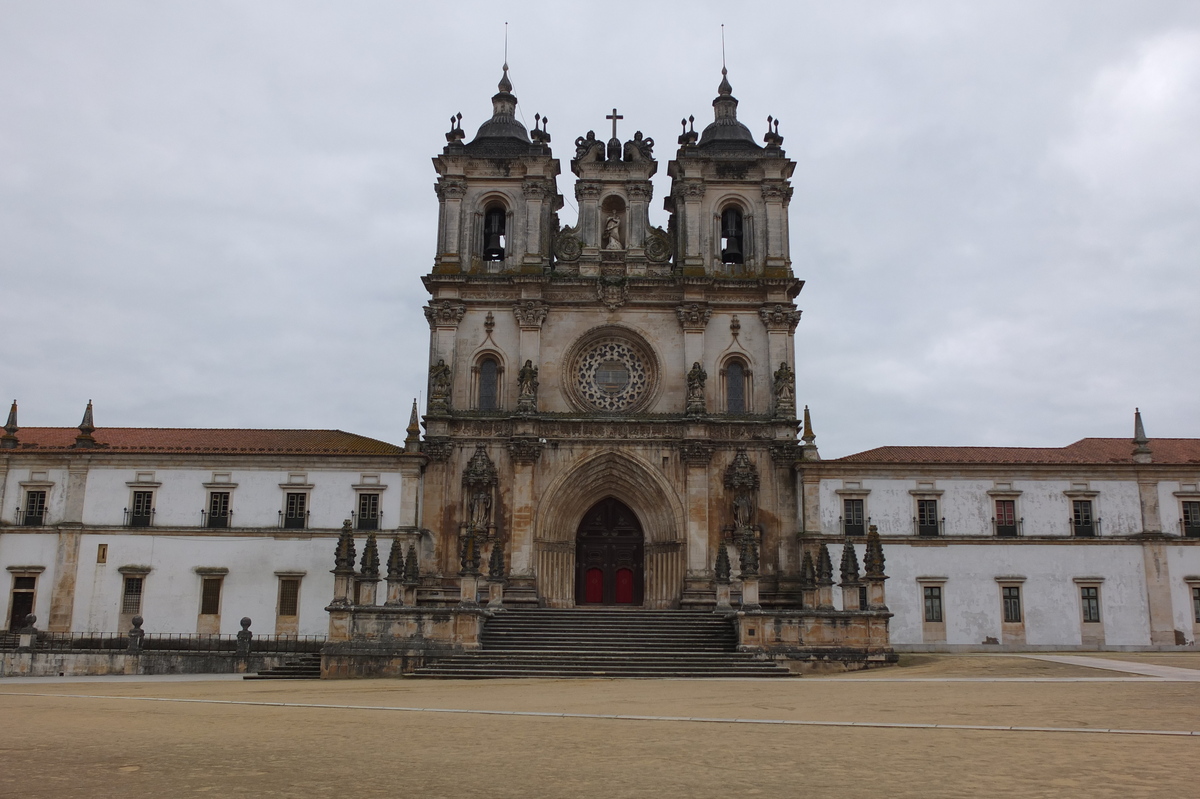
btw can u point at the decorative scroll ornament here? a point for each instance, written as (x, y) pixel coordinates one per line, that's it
(639, 148)
(696, 452)
(785, 392)
(527, 387)
(530, 313)
(589, 148)
(694, 316)
(695, 390)
(525, 449)
(439, 387)
(658, 246)
(567, 246)
(444, 313)
(780, 317)
(479, 481)
(450, 189)
(613, 292)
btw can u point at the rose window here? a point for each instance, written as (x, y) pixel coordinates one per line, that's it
(612, 375)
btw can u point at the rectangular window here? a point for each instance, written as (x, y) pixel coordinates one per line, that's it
(295, 511)
(218, 509)
(1082, 522)
(933, 603)
(368, 511)
(289, 597)
(35, 509)
(210, 596)
(1012, 603)
(143, 509)
(1196, 603)
(927, 517)
(853, 520)
(21, 602)
(1191, 519)
(1006, 517)
(131, 599)
(1089, 596)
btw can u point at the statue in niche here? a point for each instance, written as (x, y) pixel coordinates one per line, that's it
(695, 389)
(439, 386)
(612, 233)
(527, 386)
(481, 508)
(785, 391)
(743, 511)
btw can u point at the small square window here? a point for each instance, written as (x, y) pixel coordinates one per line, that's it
(102, 553)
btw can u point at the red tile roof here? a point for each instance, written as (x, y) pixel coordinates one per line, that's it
(205, 441)
(1086, 450)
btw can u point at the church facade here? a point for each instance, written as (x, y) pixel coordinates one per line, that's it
(612, 420)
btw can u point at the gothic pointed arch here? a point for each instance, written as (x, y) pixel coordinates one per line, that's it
(636, 484)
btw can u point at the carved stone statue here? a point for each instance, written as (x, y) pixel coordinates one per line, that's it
(527, 386)
(612, 233)
(695, 389)
(481, 508)
(439, 387)
(785, 391)
(743, 510)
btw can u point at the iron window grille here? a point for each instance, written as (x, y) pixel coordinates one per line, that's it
(289, 597)
(210, 596)
(131, 597)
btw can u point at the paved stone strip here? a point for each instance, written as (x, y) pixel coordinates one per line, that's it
(1173, 673)
(624, 717)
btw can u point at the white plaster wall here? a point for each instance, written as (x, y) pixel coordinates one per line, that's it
(27, 549)
(256, 502)
(171, 593)
(14, 494)
(1119, 505)
(1182, 562)
(1050, 597)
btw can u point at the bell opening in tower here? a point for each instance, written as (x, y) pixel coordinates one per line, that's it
(494, 236)
(732, 251)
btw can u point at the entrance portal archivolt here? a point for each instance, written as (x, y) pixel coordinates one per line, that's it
(645, 491)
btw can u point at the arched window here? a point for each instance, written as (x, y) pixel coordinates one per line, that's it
(495, 238)
(735, 387)
(488, 381)
(732, 244)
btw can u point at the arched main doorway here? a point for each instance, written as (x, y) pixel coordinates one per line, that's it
(609, 556)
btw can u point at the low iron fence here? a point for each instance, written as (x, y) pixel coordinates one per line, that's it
(166, 643)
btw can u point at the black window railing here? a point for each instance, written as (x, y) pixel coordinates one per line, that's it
(216, 520)
(1188, 529)
(294, 521)
(367, 521)
(1087, 528)
(1008, 528)
(929, 528)
(31, 517)
(853, 526)
(139, 518)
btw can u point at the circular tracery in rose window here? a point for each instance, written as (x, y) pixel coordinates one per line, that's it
(612, 374)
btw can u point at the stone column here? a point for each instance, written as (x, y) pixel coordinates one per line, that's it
(524, 452)
(451, 191)
(780, 321)
(696, 455)
(1158, 593)
(66, 554)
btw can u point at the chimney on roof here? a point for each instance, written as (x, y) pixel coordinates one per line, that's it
(9, 439)
(84, 440)
(412, 441)
(1141, 444)
(808, 452)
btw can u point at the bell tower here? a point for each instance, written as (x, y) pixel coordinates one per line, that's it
(729, 197)
(497, 196)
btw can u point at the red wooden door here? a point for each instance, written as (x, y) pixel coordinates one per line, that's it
(595, 586)
(624, 587)
(609, 556)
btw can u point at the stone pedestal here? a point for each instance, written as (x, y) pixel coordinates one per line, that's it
(468, 590)
(395, 593)
(750, 593)
(365, 591)
(723, 597)
(496, 594)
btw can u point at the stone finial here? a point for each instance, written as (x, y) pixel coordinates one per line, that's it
(136, 634)
(412, 567)
(808, 572)
(873, 557)
(343, 559)
(824, 566)
(1141, 444)
(395, 561)
(849, 565)
(369, 567)
(496, 569)
(808, 451)
(469, 558)
(748, 555)
(9, 439)
(85, 440)
(505, 85)
(773, 139)
(412, 438)
(723, 567)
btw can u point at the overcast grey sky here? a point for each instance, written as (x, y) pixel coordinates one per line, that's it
(216, 214)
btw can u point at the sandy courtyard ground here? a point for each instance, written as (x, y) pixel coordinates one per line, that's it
(105, 738)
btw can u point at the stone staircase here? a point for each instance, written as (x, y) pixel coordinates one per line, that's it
(304, 667)
(590, 642)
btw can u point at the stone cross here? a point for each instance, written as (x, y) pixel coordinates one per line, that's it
(614, 116)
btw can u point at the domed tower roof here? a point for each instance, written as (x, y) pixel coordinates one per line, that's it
(502, 131)
(725, 132)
